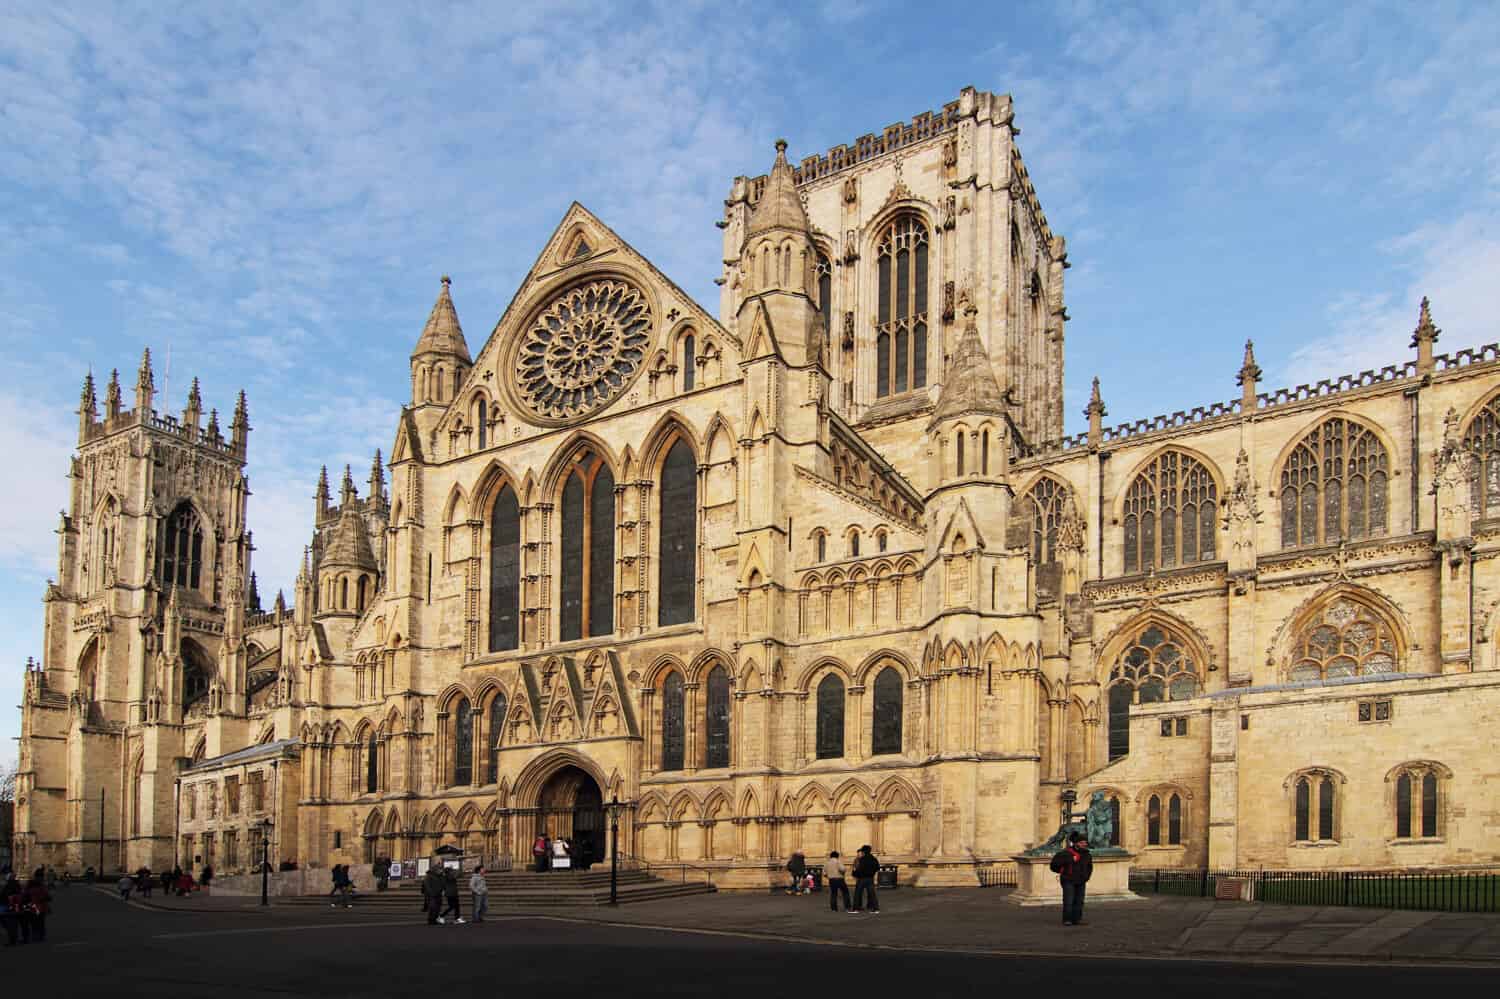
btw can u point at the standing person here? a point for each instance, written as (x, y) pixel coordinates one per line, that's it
(144, 881)
(38, 902)
(11, 914)
(833, 870)
(866, 866)
(124, 885)
(432, 894)
(168, 879)
(539, 851)
(479, 895)
(336, 878)
(796, 867)
(1073, 866)
(450, 892)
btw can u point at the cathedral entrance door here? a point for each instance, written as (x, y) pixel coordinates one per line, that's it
(571, 805)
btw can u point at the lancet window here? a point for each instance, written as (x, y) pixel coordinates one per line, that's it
(1170, 514)
(463, 743)
(588, 549)
(716, 745)
(505, 572)
(372, 765)
(885, 736)
(673, 729)
(678, 564)
(1334, 486)
(497, 728)
(901, 308)
(179, 551)
(1417, 803)
(1309, 825)
(830, 719)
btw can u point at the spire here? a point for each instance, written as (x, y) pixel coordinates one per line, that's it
(377, 479)
(349, 544)
(969, 385)
(253, 600)
(1249, 375)
(322, 494)
(442, 334)
(213, 425)
(145, 387)
(280, 603)
(779, 206)
(346, 488)
(88, 407)
(112, 396)
(1096, 413)
(1423, 337)
(239, 427)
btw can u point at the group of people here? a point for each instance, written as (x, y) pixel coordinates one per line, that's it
(544, 850)
(24, 908)
(343, 887)
(866, 867)
(440, 885)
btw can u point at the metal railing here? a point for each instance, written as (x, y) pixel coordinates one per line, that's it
(1000, 875)
(1432, 891)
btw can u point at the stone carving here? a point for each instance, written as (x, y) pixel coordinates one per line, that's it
(583, 350)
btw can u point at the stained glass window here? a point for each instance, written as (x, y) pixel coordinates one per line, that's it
(1345, 638)
(830, 735)
(1153, 821)
(505, 572)
(179, 553)
(1034, 522)
(1174, 820)
(1114, 821)
(716, 746)
(1303, 809)
(1170, 514)
(497, 729)
(689, 364)
(1334, 486)
(1120, 696)
(372, 765)
(463, 743)
(588, 550)
(673, 729)
(1429, 804)
(1483, 438)
(571, 613)
(1155, 667)
(601, 553)
(901, 309)
(1403, 806)
(1325, 808)
(886, 735)
(678, 562)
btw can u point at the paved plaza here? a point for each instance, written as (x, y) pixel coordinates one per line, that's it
(742, 944)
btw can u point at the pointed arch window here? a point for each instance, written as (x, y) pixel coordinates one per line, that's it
(1345, 638)
(958, 452)
(1115, 839)
(1174, 820)
(885, 736)
(830, 725)
(481, 413)
(588, 549)
(1482, 437)
(854, 544)
(1153, 821)
(1155, 667)
(372, 765)
(497, 728)
(505, 572)
(463, 743)
(901, 307)
(197, 670)
(822, 547)
(689, 366)
(1417, 803)
(1034, 522)
(881, 540)
(344, 593)
(823, 271)
(1170, 514)
(1309, 825)
(678, 561)
(1334, 486)
(984, 453)
(716, 745)
(673, 711)
(179, 550)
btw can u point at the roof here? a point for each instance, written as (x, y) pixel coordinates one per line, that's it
(442, 334)
(350, 543)
(779, 207)
(969, 386)
(270, 750)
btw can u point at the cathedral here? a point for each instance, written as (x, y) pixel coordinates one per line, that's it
(818, 571)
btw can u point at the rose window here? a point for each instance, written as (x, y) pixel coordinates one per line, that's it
(583, 350)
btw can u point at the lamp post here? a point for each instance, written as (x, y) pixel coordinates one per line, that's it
(615, 805)
(1069, 796)
(265, 861)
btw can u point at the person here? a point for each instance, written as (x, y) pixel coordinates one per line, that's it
(124, 885)
(207, 875)
(336, 876)
(382, 873)
(169, 878)
(539, 850)
(479, 895)
(450, 892)
(1073, 866)
(12, 913)
(796, 867)
(432, 894)
(37, 901)
(184, 884)
(144, 881)
(866, 866)
(833, 870)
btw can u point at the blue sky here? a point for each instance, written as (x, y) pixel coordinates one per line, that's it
(274, 194)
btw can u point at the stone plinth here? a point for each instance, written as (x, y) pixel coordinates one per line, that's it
(1037, 885)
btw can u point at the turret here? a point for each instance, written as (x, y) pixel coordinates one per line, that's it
(213, 425)
(778, 266)
(145, 388)
(112, 396)
(968, 424)
(346, 488)
(347, 570)
(441, 356)
(321, 496)
(88, 408)
(193, 412)
(376, 494)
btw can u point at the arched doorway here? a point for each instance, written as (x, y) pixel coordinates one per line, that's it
(571, 805)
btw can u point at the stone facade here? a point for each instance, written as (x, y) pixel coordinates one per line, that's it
(819, 572)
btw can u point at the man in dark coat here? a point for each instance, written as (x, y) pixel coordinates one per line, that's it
(797, 868)
(866, 866)
(432, 893)
(1074, 865)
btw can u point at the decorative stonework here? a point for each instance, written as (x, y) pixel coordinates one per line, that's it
(583, 350)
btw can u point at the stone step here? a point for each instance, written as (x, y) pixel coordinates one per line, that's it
(527, 891)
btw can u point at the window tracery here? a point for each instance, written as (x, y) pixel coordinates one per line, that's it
(1035, 520)
(1345, 638)
(179, 558)
(505, 572)
(1334, 486)
(1482, 437)
(582, 351)
(901, 308)
(673, 711)
(1170, 514)
(587, 549)
(830, 720)
(716, 745)
(1157, 666)
(1309, 826)
(497, 727)
(678, 564)
(463, 743)
(885, 735)
(1417, 789)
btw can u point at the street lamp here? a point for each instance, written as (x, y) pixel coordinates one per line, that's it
(615, 806)
(265, 861)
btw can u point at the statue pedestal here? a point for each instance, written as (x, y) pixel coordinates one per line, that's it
(1037, 885)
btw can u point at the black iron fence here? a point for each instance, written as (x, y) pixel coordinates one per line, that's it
(1436, 891)
(1001, 875)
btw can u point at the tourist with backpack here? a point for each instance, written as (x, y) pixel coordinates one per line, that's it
(866, 866)
(1073, 867)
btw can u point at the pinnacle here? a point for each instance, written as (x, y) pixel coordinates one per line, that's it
(1249, 370)
(1096, 401)
(1425, 329)
(442, 334)
(779, 207)
(969, 384)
